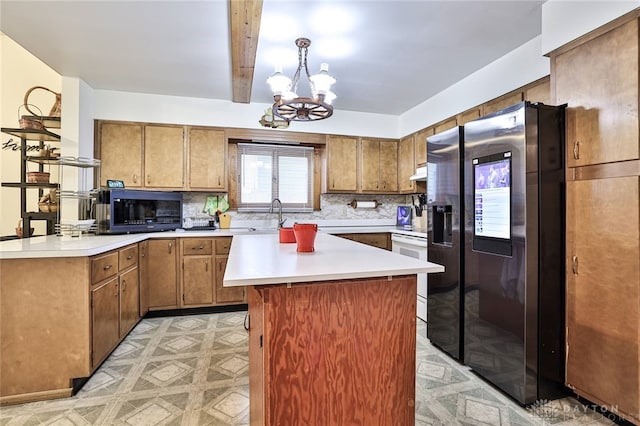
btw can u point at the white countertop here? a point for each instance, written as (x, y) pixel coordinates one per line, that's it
(261, 259)
(90, 245)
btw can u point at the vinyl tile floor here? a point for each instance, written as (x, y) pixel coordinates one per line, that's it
(193, 370)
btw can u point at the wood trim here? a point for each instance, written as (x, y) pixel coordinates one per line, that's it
(244, 22)
(36, 396)
(604, 171)
(253, 135)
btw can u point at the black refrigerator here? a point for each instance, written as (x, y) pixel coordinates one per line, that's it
(495, 191)
(445, 207)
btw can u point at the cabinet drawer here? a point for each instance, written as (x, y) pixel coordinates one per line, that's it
(380, 240)
(196, 246)
(104, 266)
(223, 245)
(128, 257)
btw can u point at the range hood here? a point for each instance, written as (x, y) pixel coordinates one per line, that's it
(420, 174)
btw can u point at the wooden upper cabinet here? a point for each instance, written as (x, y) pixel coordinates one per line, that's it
(389, 165)
(370, 160)
(379, 165)
(421, 145)
(406, 164)
(445, 125)
(501, 103)
(599, 81)
(469, 115)
(207, 159)
(120, 150)
(539, 92)
(342, 160)
(164, 156)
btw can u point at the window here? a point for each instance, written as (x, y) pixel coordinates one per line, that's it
(266, 172)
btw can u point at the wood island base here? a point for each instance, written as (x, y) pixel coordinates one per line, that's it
(333, 352)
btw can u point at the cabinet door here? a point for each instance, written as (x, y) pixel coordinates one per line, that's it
(162, 274)
(540, 92)
(469, 115)
(599, 82)
(207, 159)
(406, 164)
(370, 160)
(381, 240)
(121, 153)
(163, 156)
(389, 166)
(342, 158)
(104, 320)
(603, 272)
(446, 125)
(421, 145)
(129, 300)
(226, 294)
(197, 280)
(501, 103)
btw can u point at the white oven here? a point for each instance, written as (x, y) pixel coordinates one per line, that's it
(416, 247)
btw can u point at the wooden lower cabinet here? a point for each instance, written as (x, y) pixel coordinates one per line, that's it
(162, 274)
(203, 264)
(129, 300)
(104, 320)
(143, 266)
(197, 271)
(354, 360)
(603, 292)
(377, 239)
(115, 306)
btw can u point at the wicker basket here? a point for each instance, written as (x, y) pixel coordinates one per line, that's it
(30, 122)
(48, 207)
(38, 177)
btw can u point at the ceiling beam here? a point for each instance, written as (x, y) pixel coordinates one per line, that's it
(244, 19)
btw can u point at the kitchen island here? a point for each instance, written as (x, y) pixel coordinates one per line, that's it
(331, 333)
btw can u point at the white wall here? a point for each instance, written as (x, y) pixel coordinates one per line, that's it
(20, 71)
(127, 106)
(517, 68)
(564, 21)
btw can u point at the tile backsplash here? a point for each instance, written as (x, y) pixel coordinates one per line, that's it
(333, 207)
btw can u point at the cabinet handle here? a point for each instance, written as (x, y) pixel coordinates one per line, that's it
(170, 247)
(197, 248)
(148, 179)
(135, 178)
(246, 321)
(206, 266)
(574, 265)
(124, 285)
(576, 150)
(107, 267)
(129, 257)
(219, 184)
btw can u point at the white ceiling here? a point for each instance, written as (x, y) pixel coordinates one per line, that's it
(387, 55)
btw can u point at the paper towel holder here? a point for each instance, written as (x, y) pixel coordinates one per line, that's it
(364, 204)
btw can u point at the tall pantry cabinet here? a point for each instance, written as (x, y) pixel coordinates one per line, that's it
(597, 76)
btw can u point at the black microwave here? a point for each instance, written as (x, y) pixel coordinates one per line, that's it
(122, 211)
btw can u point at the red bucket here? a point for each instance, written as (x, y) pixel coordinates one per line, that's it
(305, 236)
(287, 235)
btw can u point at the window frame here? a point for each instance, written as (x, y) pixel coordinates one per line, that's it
(276, 151)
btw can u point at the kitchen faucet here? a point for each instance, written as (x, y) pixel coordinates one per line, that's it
(280, 220)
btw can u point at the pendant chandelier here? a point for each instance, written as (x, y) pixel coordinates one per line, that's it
(288, 105)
